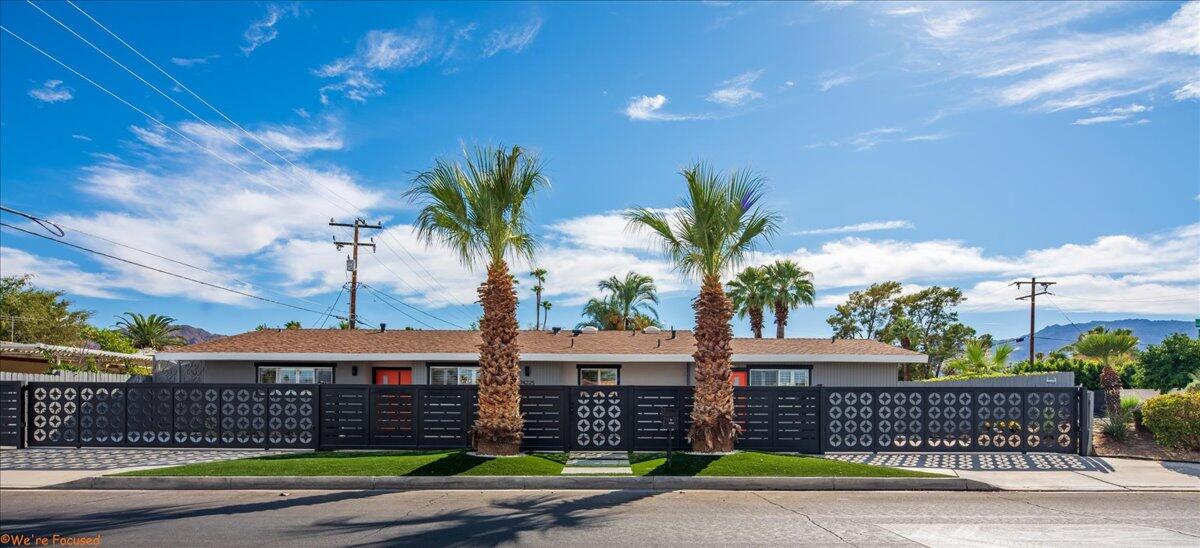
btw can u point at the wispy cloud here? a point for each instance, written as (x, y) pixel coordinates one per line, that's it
(871, 138)
(870, 226)
(736, 91)
(263, 30)
(193, 61)
(868, 140)
(927, 137)
(1191, 90)
(81, 137)
(650, 107)
(1113, 114)
(515, 40)
(52, 91)
(831, 80)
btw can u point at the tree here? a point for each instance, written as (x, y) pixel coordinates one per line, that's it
(790, 286)
(1087, 372)
(1111, 349)
(1167, 366)
(715, 225)
(293, 324)
(904, 332)
(748, 292)
(539, 275)
(932, 309)
(480, 209)
(546, 306)
(977, 359)
(626, 299)
(866, 312)
(32, 315)
(153, 331)
(109, 340)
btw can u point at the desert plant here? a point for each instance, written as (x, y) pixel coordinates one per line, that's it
(977, 359)
(1174, 419)
(716, 224)
(1112, 349)
(153, 331)
(1118, 425)
(748, 291)
(626, 300)
(479, 209)
(789, 287)
(539, 276)
(1128, 403)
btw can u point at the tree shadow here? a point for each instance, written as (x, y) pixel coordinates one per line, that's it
(680, 464)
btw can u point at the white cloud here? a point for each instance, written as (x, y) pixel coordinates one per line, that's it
(81, 137)
(647, 107)
(515, 40)
(193, 61)
(52, 91)
(56, 274)
(736, 91)
(302, 113)
(927, 137)
(263, 30)
(1190, 90)
(1114, 114)
(859, 227)
(948, 25)
(905, 10)
(829, 81)
(870, 139)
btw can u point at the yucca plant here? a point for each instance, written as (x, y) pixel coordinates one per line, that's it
(153, 331)
(479, 209)
(715, 225)
(748, 291)
(789, 287)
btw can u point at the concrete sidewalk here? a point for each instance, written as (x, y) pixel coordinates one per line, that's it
(33, 468)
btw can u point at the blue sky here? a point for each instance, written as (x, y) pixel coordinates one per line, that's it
(951, 143)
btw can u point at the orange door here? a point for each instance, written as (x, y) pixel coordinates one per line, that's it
(393, 376)
(740, 378)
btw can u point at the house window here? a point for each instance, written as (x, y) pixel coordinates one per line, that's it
(453, 375)
(599, 376)
(294, 375)
(780, 377)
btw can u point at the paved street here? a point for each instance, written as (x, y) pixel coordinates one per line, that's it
(606, 518)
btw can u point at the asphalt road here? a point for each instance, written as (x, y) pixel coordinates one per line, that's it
(629, 518)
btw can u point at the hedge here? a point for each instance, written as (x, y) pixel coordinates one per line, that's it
(1174, 419)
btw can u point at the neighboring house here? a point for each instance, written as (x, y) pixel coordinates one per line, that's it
(37, 357)
(645, 358)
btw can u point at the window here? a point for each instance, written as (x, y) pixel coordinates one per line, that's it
(295, 375)
(453, 374)
(779, 377)
(599, 376)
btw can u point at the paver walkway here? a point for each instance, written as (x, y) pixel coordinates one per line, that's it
(42, 466)
(593, 463)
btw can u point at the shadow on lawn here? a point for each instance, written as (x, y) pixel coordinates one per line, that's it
(680, 464)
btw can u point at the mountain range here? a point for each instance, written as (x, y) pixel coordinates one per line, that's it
(195, 335)
(1053, 337)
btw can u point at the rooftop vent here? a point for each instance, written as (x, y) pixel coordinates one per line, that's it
(651, 330)
(382, 327)
(555, 330)
(589, 329)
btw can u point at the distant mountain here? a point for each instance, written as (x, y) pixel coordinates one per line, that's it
(195, 335)
(1053, 337)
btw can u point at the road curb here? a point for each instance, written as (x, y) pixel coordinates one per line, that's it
(405, 483)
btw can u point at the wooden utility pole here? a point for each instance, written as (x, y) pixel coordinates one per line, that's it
(352, 261)
(1032, 296)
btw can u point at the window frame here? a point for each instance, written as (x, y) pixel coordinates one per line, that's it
(579, 369)
(332, 367)
(778, 367)
(429, 367)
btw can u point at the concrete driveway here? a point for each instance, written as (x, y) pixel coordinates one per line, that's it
(43, 466)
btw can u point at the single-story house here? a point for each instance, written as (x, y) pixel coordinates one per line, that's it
(39, 358)
(581, 357)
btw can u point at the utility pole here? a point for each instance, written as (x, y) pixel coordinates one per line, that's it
(352, 260)
(1032, 296)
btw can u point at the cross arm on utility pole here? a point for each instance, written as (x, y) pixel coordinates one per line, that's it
(352, 263)
(1033, 284)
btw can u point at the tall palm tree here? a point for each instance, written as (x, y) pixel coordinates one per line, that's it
(539, 275)
(480, 210)
(631, 295)
(546, 305)
(748, 291)
(715, 225)
(976, 359)
(153, 331)
(600, 313)
(789, 287)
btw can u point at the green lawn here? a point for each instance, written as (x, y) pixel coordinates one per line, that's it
(377, 463)
(754, 463)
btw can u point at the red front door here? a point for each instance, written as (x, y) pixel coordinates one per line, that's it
(740, 378)
(393, 376)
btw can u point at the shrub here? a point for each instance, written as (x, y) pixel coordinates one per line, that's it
(1174, 419)
(1128, 403)
(1118, 424)
(1165, 367)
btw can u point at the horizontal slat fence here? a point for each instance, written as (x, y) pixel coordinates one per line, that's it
(12, 413)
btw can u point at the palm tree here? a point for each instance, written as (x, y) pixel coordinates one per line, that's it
(976, 359)
(748, 291)
(789, 287)
(715, 225)
(627, 304)
(1111, 349)
(600, 313)
(546, 312)
(151, 331)
(539, 274)
(480, 210)
(293, 324)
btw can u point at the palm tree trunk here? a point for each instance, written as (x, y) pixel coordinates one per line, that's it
(498, 423)
(713, 429)
(537, 310)
(781, 314)
(756, 321)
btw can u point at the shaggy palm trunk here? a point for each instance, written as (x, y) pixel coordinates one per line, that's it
(713, 429)
(781, 314)
(498, 423)
(756, 321)
(1110, 382)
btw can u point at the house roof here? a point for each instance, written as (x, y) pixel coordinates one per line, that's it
(347, 345)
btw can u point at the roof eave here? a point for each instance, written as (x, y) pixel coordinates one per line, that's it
(531, 357)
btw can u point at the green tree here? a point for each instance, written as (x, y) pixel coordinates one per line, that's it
(32, 315)
(906, 333)
(109, 340)
(715, 225)
(480, 209)
(932, 309)
(977, 359)
(1167, 366)
(790, 287)
(153, 331)
(1087, 372)
(546, 306)
(539, 275)
(1112, 350)
(292, 324)
(625, 299)
(748, 291)
(866, 312)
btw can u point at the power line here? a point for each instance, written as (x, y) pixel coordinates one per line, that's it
(389, 305)
(161, 271)
(381, 292)
(1032, 296)
(352, 262)
(334, 305)
(356, 209)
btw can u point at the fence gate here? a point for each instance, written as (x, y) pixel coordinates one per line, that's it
(600, 418)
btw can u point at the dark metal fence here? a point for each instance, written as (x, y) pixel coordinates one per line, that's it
(622, 418)
(12, 413)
